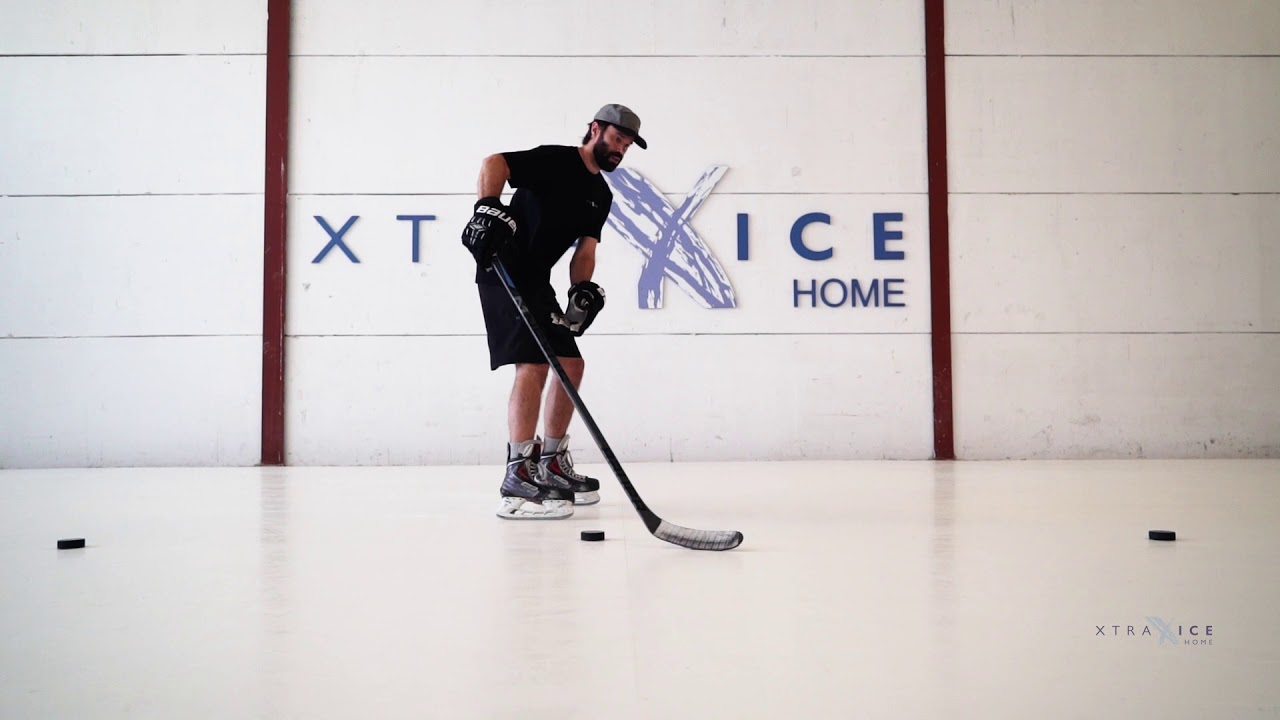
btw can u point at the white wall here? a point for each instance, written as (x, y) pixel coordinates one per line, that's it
(131, 148)
(813, 107)
(1115, 171)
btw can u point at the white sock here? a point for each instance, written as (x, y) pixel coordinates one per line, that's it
(551, 445)
(518, 449)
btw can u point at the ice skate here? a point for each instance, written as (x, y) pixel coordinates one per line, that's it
(559, 465)
(525, 497)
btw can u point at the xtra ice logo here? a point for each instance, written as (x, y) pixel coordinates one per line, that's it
(1165, 632)
(868, 275)
(664, 236)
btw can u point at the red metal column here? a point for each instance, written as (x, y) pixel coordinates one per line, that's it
(935, 63)
(275, 202)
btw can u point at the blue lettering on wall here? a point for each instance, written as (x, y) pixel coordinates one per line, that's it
(837, 292)
(826, 288)
(797, 236)
(811, 292)
(335, 239)
(660, 227)
(416, 220)
(891, 289)
(871, 299)
(882, 234)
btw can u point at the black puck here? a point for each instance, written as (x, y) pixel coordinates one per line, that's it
(71, 544)
(1162, 535)
(593, 535)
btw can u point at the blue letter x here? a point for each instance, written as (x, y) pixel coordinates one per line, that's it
(335, 239)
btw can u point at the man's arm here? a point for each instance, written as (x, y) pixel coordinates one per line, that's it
(494, 175)
(492, 225)
(585, 297)
(583, 264)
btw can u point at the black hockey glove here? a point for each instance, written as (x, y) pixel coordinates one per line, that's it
(585, 301)
(491, 227)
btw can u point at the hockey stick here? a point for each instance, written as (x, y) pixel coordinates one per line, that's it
(661, 529)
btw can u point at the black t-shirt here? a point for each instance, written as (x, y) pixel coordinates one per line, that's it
(557, 200)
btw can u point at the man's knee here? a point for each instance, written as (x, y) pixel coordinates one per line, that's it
(531, 373)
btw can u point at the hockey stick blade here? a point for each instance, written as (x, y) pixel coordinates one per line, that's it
(698, 539)
(661, 529)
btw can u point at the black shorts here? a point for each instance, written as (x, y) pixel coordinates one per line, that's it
(510, 341)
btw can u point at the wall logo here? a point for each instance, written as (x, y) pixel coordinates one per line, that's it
(665, 238)
(1165, 633)
(671, 249)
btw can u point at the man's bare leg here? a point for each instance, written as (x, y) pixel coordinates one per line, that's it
(525, 495)
(526, 394)
(559, 406)
(556, 461)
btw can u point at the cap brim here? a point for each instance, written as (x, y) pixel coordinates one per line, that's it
(635, 137)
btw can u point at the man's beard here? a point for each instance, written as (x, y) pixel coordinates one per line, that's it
(601, 153)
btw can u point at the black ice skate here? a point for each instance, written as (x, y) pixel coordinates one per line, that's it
(526, 497)
(558, 465)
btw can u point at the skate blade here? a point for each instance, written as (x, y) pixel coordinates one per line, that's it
(514, 509)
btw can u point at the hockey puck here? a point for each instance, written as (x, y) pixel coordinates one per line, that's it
(71, 544)
(593, 535)
(1162, 535)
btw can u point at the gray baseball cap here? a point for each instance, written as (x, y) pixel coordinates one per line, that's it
(621, 115)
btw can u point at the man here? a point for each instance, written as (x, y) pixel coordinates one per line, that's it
(560, 201)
